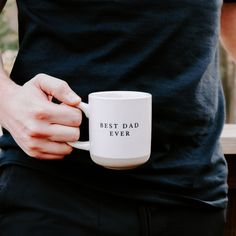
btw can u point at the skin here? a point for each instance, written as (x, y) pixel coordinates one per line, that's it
(42, 128)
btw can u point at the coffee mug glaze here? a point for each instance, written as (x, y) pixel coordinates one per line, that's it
(119, 128)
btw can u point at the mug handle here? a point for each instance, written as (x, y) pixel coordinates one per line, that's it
(85, 145)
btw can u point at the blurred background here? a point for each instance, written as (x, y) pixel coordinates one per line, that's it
(9, 47)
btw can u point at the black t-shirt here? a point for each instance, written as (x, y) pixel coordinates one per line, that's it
(167, 48)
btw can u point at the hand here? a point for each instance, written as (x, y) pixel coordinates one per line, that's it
(40, 127)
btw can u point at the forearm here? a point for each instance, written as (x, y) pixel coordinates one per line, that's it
(2, 71)
(6, 84)
(228, 29)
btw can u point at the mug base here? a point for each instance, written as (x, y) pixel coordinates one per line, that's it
(121, 168)
(120, 163)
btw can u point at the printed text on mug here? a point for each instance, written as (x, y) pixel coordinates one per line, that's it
(115, 129)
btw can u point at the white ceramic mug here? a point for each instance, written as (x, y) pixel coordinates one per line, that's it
(119, 128)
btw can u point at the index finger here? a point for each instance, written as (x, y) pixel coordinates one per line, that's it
(61, 114)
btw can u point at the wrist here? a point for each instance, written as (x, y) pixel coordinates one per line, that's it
(7, 86)
(7, 90)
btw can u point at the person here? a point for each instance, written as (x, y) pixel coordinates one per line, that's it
(68, 49)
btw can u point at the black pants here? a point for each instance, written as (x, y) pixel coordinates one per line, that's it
(36, 204)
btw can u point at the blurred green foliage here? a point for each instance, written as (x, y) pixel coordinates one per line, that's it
(8, 36)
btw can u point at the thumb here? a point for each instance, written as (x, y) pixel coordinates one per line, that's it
(57, 88)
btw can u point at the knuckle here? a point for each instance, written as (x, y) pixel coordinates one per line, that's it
(40, 113)
(33, 154)
(62, 86)
(33, 131)
(33, 147)
(77, 122)
(38, 156)
(39, 76)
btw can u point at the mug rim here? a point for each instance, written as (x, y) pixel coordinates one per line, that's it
(120, 95)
